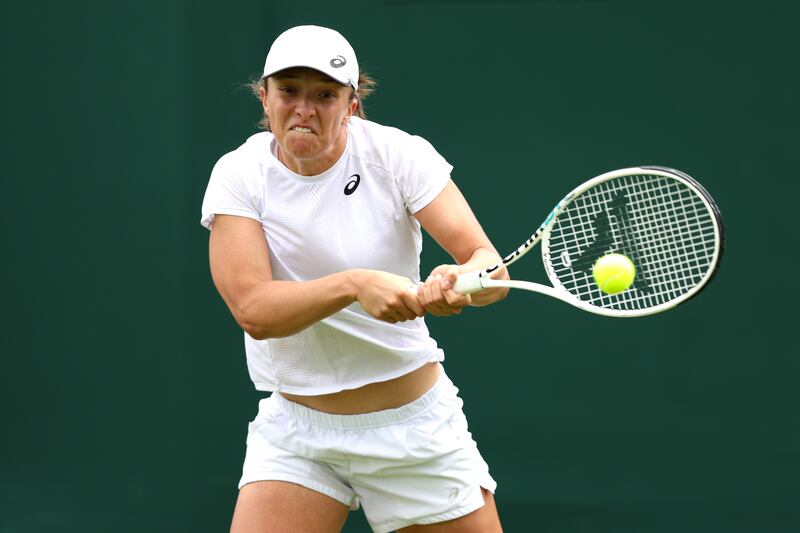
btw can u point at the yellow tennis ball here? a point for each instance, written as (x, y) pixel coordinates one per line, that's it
(614, 273)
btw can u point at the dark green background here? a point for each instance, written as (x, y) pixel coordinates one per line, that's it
(125, 397)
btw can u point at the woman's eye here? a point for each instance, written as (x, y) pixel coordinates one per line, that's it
(327, 95)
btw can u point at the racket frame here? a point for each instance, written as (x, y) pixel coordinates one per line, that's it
(478, 280)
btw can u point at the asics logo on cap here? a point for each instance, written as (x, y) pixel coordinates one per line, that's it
(338, 62)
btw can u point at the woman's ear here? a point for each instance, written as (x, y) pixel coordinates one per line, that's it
(351, 110)
(262, 92)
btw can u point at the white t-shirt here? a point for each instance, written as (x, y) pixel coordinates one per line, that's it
(357, 214)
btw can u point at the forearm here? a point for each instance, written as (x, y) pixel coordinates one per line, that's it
(484, 258)
(281, 308)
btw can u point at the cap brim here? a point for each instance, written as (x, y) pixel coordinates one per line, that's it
(344, 81)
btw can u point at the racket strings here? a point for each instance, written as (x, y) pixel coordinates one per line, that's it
(662, 224)
(668, 283)
(661, 240)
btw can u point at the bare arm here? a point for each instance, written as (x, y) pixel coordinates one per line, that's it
(450, 221)
(263, 307)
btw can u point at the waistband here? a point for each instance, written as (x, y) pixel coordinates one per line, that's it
(365, 420)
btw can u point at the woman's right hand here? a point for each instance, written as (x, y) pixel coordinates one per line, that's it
(387, 296)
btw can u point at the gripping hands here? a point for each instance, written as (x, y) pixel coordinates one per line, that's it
(437, 296)
(394, 298)
(387, 296)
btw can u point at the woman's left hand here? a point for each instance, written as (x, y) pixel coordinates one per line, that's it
(437, 296)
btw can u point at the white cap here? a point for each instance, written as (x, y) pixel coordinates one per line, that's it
(322, 49)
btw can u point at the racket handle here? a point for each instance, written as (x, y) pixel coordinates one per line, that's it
(468, 283)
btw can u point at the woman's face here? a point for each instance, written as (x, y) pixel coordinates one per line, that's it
(307, 114)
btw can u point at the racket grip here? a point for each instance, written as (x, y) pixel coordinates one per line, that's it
(468, 283)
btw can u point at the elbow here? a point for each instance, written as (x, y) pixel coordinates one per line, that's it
(264, 318)
(256, 331)
(254, 324)
(260, 328)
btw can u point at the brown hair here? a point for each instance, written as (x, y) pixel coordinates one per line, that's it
(366, 84)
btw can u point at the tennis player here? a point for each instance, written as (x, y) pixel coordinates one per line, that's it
(315, 245)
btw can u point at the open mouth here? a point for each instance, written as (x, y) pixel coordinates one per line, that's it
(301, 129)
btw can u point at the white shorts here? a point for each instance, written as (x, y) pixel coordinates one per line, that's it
(416, 464)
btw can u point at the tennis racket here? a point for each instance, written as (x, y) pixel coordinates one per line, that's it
(661, 218)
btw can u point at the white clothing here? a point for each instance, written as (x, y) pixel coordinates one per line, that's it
(417, 464)
(357, 214)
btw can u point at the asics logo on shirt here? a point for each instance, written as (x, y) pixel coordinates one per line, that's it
(352, 185)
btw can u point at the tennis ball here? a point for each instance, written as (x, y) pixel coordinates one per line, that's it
(614, 273)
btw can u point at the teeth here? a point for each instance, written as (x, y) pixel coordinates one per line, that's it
(301, 130)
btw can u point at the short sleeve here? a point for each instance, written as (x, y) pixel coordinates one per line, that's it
(227, 194)
(421, 172)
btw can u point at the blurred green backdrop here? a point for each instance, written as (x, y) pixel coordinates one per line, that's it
(125, 397)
